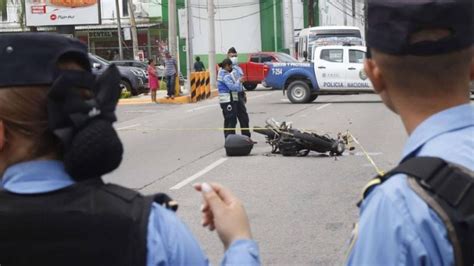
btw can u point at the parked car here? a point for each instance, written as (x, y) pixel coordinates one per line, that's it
(255, 69)
(133, 79)
(160, 69)
(335, 70)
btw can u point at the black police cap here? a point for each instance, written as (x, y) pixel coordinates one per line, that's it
(31, 58)
(392, 23)
(232, 50)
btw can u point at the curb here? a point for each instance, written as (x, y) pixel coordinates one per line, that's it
(176, 100)
(134, 101)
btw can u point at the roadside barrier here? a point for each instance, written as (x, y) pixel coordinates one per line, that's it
(200, 86)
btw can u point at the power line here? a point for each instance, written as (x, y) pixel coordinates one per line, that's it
(240, 17)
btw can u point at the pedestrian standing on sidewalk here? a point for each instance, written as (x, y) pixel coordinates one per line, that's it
(171, 71)
(238, 75)
(153, 79)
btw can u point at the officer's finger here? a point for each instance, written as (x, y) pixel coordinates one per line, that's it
(215, 202)
(197, 187)
(205, 207)
(224, 193)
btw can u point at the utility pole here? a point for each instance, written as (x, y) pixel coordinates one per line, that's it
(133, 27)
(311, 13)
(291, 32)
(212, 44)
(119, 29)
(344, 10)
(172, 32)
(189, 42)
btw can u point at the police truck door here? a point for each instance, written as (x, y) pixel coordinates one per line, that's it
(356, 79)
(330, 68)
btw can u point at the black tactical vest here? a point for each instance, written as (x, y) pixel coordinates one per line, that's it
(449, 190)
(89, 223)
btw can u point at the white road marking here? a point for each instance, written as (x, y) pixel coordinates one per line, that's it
(128, 127)
(140, 111)
(323, 106)
(198, 174)
(351, 153)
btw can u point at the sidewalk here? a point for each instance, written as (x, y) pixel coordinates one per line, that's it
(161, 98)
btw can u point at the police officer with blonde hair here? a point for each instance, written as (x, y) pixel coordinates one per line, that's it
(56, 142)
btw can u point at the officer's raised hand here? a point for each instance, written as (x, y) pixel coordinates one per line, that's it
(224, 212)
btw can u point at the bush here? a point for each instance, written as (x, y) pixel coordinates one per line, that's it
(163, 85)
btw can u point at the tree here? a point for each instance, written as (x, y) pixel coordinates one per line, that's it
(3, 9)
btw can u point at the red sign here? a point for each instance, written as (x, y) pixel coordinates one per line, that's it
(53, 17)
(38, 9)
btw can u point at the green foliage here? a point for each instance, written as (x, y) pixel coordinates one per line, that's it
(163, 85)
(125, 94)
(3, 10)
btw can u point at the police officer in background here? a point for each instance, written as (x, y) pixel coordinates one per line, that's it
(56, 141)
(238, 75)
(229, 89)
(420, 63)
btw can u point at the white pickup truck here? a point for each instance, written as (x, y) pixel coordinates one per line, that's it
(335, 70)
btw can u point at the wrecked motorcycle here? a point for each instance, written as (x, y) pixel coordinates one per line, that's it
(293, 142)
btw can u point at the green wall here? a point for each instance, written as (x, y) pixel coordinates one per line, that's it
(267, 27)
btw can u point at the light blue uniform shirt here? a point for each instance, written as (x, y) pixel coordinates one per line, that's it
(396, 226)
(169, 241)
(226, 82)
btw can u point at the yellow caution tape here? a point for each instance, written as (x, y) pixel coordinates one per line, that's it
(379, 172)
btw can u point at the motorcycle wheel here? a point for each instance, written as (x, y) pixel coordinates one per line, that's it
(338, 149)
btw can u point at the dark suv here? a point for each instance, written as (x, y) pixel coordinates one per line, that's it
(133, 79)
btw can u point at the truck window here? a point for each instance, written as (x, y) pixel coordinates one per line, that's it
(332, 55)
(266, 58)
(255, 59)
(356, 56)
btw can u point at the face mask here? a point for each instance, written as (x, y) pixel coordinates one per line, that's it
(234, 60)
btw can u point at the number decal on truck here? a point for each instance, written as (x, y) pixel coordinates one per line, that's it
(277, 71)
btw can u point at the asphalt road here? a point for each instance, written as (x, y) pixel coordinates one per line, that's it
(301, 209)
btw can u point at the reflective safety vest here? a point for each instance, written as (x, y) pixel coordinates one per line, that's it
(225, 94)
(449, 190)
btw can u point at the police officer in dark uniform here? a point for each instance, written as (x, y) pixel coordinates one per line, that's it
(56, 141)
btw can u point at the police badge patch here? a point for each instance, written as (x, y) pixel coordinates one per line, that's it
(362, 74)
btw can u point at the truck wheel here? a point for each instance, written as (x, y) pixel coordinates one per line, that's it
(298, 92)
(126, 85)
(313, 97)
(250, 86)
